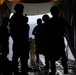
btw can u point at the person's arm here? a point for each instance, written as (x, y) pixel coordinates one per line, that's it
(34, 31)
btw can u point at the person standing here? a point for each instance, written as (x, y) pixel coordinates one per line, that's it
(19, 31)
(55, 40)
(4, 36)
(37, 33)
(45, 34)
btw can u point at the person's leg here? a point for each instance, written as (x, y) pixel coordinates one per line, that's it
(46, 62)
(53, 68)
(37, 55)
(37, 42)
(15, 64)
(24, 63)
(64, 63)
(5, 65)
(37, 61)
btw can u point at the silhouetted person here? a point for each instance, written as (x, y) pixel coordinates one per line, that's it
(44, 33)
(37, 33)
(55, 40)
(4, 35)
(19, 31)
(27, 40)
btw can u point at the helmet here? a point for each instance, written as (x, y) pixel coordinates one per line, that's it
(54, 10)
(18, 7)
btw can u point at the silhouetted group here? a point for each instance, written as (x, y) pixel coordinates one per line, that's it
(49, 40)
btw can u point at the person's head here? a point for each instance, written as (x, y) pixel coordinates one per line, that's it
(45, 18)
(19, 8)
(54, 11)
(39, 21)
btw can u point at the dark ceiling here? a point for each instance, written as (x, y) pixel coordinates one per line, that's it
(33, 1)
(33, 8)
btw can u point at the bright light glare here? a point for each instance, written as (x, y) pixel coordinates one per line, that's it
(11, 15)
(33, 19)
(32, 23)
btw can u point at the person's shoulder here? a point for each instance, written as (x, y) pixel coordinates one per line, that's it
(13, 17)
(50, 20)
(35, 27)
